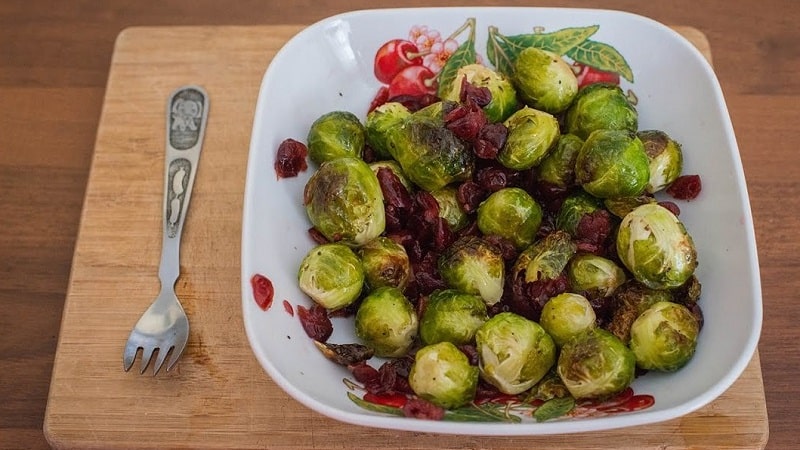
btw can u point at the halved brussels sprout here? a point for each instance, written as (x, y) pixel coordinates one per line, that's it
(558, 167)
(385, 263)
(594, 275)
(332, 275)
(514, 352)
(547, 258)
(504, 96)
(430, 154)
(387, 322)
(380, 122)
(335, 134)
(666, 159)
(344, 202)
(474, 266)
(567, 315)
(600, 106)
(531, 135)
(664, 337)
(612, 163)
(451, 316)
(510, 213)
(574, 208)
(655, 247)
(544, 80)
(450, 209)
(595, 365)
(442, 375)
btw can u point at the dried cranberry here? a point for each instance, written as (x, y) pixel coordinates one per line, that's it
(394, 191)
(317, 237)
(422, 409)
(363, 372)
(415, 102)
(492, 178)
(592, 231)
(316, 322)
(466, 121)
(686, 187)
(470, 93)
(490, 140)
(290, 159)
(671, 206)
(263, 291)
(469, 195)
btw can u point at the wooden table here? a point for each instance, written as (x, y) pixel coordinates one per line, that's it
(54, 62)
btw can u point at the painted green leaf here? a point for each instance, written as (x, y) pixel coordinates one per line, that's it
(601, 56)
(483, 413)
(374, 407)
(464, 55)
(554, 408)
(502, 50)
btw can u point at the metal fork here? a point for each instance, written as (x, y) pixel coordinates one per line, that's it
(164, 327)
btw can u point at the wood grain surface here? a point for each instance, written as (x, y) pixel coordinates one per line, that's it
(54, 66)
(219, 397)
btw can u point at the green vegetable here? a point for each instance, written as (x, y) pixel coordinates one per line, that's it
(451, 316)
(387, 322)
(510, 213)
(385, 263)
(335, 134)
(504, 96)
(544, 80)
(611, 164)
(474, 266)
(332, 275)
(442, 374)
(596, 364)
(600, 106)
(531, 135)
(664, 337)
(567, 315)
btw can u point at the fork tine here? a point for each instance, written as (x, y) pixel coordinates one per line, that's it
(129, 355)
(147, 353)
(176, 354)
(162, 355)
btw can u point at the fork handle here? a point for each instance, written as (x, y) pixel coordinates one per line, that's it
(187, 113)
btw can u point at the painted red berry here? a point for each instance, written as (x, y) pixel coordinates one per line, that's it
(393, 57)
(589, 75)
(414, 81)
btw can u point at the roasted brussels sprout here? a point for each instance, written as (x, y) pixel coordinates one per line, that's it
(574, 208)
(594, 275)
(531, 135)
(567, 315)
(335, 134)
(385, 263)
(596, 364)
(664, 337)
(451, 316)
(558, 167)
(655, 247)
(665, 156)
(431, 155)
(510, 213)
(387, 322)
(474, 266)
(344, 202)
(630, 301)
(612, 163)
(621, 206)
(392, 165)
(504, 96)
(379, 124)
(442, 375)
(450, 209)
(547, 258)
(332, 275)
(544, 80)
(514, 353)
(600, 106)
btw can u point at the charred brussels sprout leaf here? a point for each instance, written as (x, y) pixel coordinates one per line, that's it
(611, 164)
(441, 374)
(345, 354)
(335, 134)
(386, 322)
(431, 155)
(600, 107)
(544, 80)
(344, 202)
(510, 213)
(386, 263)
(474, 266)
(656, 248)
(595, 365)
(664, 337)
(547, 258)
(514, 352)
(567, 315)
(332, 275)
(665, 156)
(451, 316)
(504, 96)
(531, 135)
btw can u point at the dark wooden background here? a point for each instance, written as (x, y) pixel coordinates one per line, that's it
(54, 60)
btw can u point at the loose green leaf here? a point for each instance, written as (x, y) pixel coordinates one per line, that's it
(374, 407)
(502, 50)
(464, 55)
(601, 56)
(554, 408)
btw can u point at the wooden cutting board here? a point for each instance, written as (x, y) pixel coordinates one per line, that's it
(218, 396)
